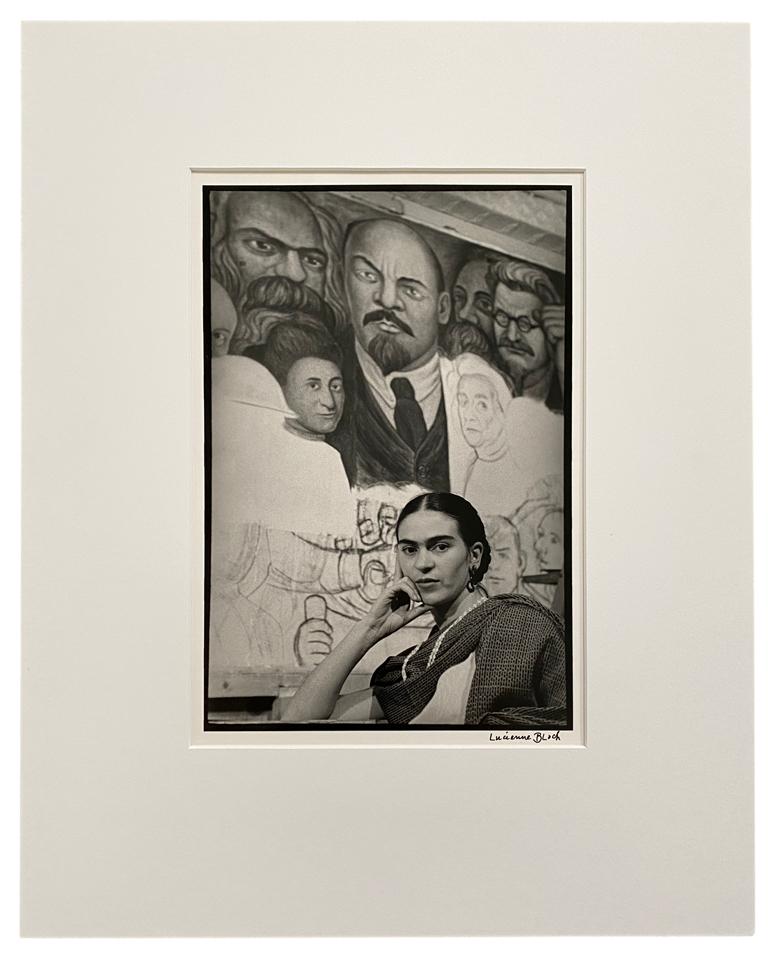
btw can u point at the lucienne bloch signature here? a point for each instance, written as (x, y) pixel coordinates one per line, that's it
(535, 737)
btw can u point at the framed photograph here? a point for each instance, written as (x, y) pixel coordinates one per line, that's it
(187, 768)
(312, 464)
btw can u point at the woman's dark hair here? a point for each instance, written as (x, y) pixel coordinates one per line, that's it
(294, 339)
(467, 519)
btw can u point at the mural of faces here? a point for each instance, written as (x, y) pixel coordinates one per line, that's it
(549, 541)
(315, 392)
(480, 411)
(471, 299)
(520, 351)
(275, 233)
(393, 289)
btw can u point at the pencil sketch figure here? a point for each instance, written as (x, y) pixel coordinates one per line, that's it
(314, 637)
(514, 441)
(549, 542)
(375, 521)
(539, 522)
(507, 564)
(243, 635)
(359, 358)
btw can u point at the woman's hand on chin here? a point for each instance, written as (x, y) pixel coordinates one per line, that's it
(397, 605)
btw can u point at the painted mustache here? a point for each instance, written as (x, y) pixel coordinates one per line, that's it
(516, 346)
(385, 315)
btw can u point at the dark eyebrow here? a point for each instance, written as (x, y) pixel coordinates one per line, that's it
(447, 537)
(257, 232)
(317, 252)
(412, 281)
(368, 263)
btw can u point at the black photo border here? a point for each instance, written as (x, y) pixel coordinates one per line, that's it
(377, 727)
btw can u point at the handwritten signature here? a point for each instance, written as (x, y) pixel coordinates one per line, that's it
(535, 737)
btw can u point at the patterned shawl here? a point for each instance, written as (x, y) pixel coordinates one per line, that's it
(520, 674)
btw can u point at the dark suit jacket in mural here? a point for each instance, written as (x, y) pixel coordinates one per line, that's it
(372, 450)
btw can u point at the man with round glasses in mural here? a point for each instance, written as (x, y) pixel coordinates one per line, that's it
(528, 330)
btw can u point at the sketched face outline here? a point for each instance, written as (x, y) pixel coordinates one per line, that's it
(480, 412)
(388, 266)
(549, 540)
(471, 299)
(314, 390)
(520, 352)
(275, 233)
(507, 561)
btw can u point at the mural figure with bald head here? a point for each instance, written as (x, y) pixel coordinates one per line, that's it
(400, 429)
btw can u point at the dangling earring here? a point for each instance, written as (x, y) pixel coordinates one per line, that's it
(471, 581)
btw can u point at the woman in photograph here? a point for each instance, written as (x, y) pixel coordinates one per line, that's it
(495, 662)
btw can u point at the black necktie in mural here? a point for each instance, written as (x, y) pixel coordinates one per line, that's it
(409, 419)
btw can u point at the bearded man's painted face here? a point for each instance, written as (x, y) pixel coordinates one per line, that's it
(275, 233)
(472, 302)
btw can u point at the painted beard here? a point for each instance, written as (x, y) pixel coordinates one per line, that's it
(278, 296)
(516, 365)
(388, 353)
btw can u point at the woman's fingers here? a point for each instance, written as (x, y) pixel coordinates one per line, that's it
(406, 585)
(416, 612)
(398, 573)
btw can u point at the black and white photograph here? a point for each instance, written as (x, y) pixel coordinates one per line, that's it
(388, 440)
(387, 498)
